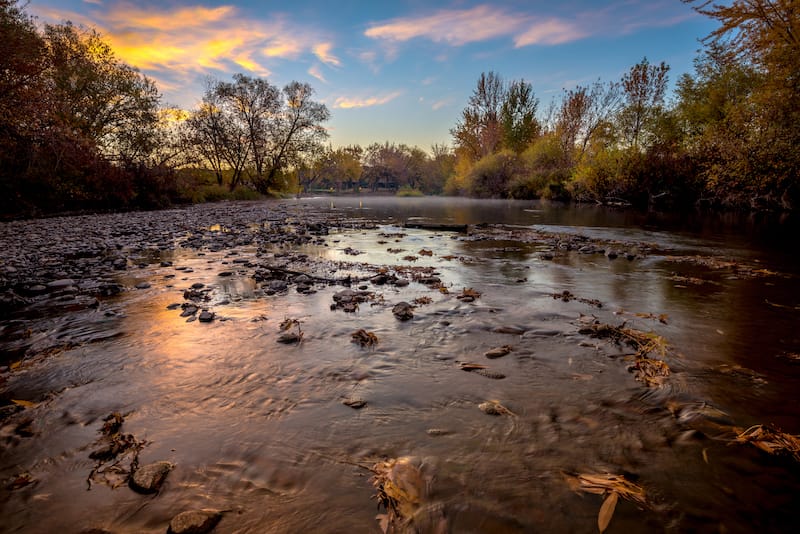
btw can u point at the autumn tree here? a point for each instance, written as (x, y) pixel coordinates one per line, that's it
(584, 114)
(280, 125)
(498, 115)
(644, 87)
(98, 96)
(763, 37)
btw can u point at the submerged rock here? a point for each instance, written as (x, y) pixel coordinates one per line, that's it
(403, 311)
(150, 477)
(194, 522)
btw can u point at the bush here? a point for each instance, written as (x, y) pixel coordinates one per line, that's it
(490, 177)
(408, 191)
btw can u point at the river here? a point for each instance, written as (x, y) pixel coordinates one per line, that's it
(285, 437)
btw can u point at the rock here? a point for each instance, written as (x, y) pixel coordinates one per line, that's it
(225, 273)
(513, 330)
(206, 316)
(194, 522)
(356, 404)
(143, 285)
(37, 289)
(289, 338)
(541, 332)
(189, 310)
(403, 311)
(302, 279)
(198, 285)
(174, 306)
(150, 477)
(64, 283)
(498, 352)
(278, 285)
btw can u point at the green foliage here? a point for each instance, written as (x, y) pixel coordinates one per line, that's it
(543, 170)
(491, 176)
(408, 191)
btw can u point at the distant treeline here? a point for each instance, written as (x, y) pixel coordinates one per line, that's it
(82, 130)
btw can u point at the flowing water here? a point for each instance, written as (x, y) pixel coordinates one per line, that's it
(259, 428)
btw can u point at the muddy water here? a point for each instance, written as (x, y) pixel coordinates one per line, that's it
(259, 428)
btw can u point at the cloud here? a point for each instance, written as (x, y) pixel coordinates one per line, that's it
(454, 26)
(317, 73)
(347, 102)
(550, 32)
(184, 41)
(441, 103)
(458, 27)
(323, 52)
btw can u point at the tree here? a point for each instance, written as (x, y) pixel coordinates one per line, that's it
(765, 35)
(280, 126)
(250, 103)
(583, 111)
(644, 87)
(478, 132)
(297, 130)
(102, 99)
(518, 116)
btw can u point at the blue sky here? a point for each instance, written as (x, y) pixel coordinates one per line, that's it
(398, 71)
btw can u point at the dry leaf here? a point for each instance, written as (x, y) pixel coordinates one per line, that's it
(607, 511)
(23, 403)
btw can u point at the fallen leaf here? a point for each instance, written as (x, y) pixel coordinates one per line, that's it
(607, 511)
(23, 403)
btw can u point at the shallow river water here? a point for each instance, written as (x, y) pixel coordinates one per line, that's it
(272, 434)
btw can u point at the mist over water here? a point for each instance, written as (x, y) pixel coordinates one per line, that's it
(259, 428)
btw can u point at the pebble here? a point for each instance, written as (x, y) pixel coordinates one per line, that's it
(206, 316)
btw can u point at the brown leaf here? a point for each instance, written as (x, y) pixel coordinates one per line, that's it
(607, 511)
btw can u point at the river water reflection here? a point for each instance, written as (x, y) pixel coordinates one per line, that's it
(259, 428)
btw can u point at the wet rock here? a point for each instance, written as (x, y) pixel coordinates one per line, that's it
(174, 306)
(498, 352)
(540, 332)
(64, 283)
(290, 337)
(149, 478)
(303, 288)
(188, 311)
(403, 311)
(37, 289)
(143, 285)
(612, 254)
(194, 522)
(225, 274)
(206, 316)
(278, 285)
(348, 299)
(302, 279)
(430, 280)
(198, 285)
(356, 404)
(513, 330)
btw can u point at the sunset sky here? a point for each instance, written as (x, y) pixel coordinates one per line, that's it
(397, 71)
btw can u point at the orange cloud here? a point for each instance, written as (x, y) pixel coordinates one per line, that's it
(346, 102)
(317, 73)
(323, 52)
(179, 41)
